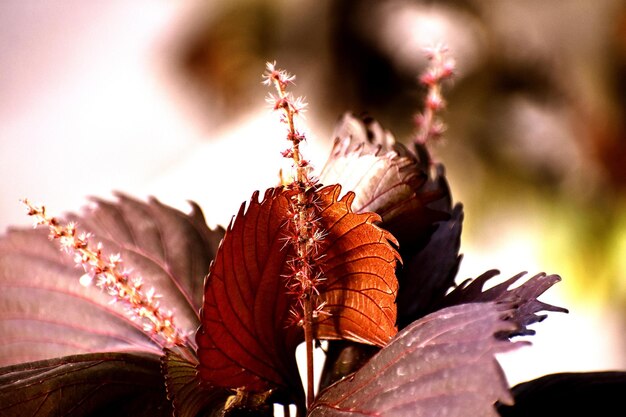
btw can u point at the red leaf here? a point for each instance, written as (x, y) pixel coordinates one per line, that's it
(441, 365)
(359, 266)
(46, 313)
(245, 339)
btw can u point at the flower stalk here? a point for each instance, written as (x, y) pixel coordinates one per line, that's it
(429, 125)
(305, 234)
(110, 276)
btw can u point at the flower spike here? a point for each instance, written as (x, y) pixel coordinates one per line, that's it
(111, 277)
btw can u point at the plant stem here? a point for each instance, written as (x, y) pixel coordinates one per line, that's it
(309, 342)
(306, 233)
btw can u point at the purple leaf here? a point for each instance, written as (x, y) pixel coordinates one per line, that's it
(190, 395)
(385, 176)
(441, 365)
(101, 384)
(523, 297)
(426, 275)
(45, 312)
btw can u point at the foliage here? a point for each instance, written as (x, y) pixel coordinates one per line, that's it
(368, 265)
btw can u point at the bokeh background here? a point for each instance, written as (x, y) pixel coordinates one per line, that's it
(155, 97)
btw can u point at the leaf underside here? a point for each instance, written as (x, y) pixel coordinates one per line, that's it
(246, 339)
(441, 365)
(46, 313)
(101, 384)
(386, 178)
(359, 267)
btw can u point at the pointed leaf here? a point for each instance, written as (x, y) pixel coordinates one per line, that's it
(101, 384)
(524, 297)
(385, 176)
(190, 396)
(46, 313)
(441, 365)
(245, 339)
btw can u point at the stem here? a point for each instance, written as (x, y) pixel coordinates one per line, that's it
(309, 341)
(307, 232)
(425, 128)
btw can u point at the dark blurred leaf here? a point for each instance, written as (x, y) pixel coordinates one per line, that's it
(523, 297)
(441, 365)
(385, 176)
(426, 276)
(245, 339)
(569, 394)
(190, 396)
(100, 384)
(46, 313)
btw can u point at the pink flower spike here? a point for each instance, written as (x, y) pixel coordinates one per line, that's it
(109, 276)
(441, 67)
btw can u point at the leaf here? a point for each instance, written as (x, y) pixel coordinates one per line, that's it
(245, 339)
(359, 267)
(441, 365)
(524, 297)
(190, 395)
(46, 313)
(426, 275)
(569, 394)
(386, 177)
(101, 384)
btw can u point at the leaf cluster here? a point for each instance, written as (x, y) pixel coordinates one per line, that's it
(404, 340)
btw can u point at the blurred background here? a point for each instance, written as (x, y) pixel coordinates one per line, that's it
(154, 97)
